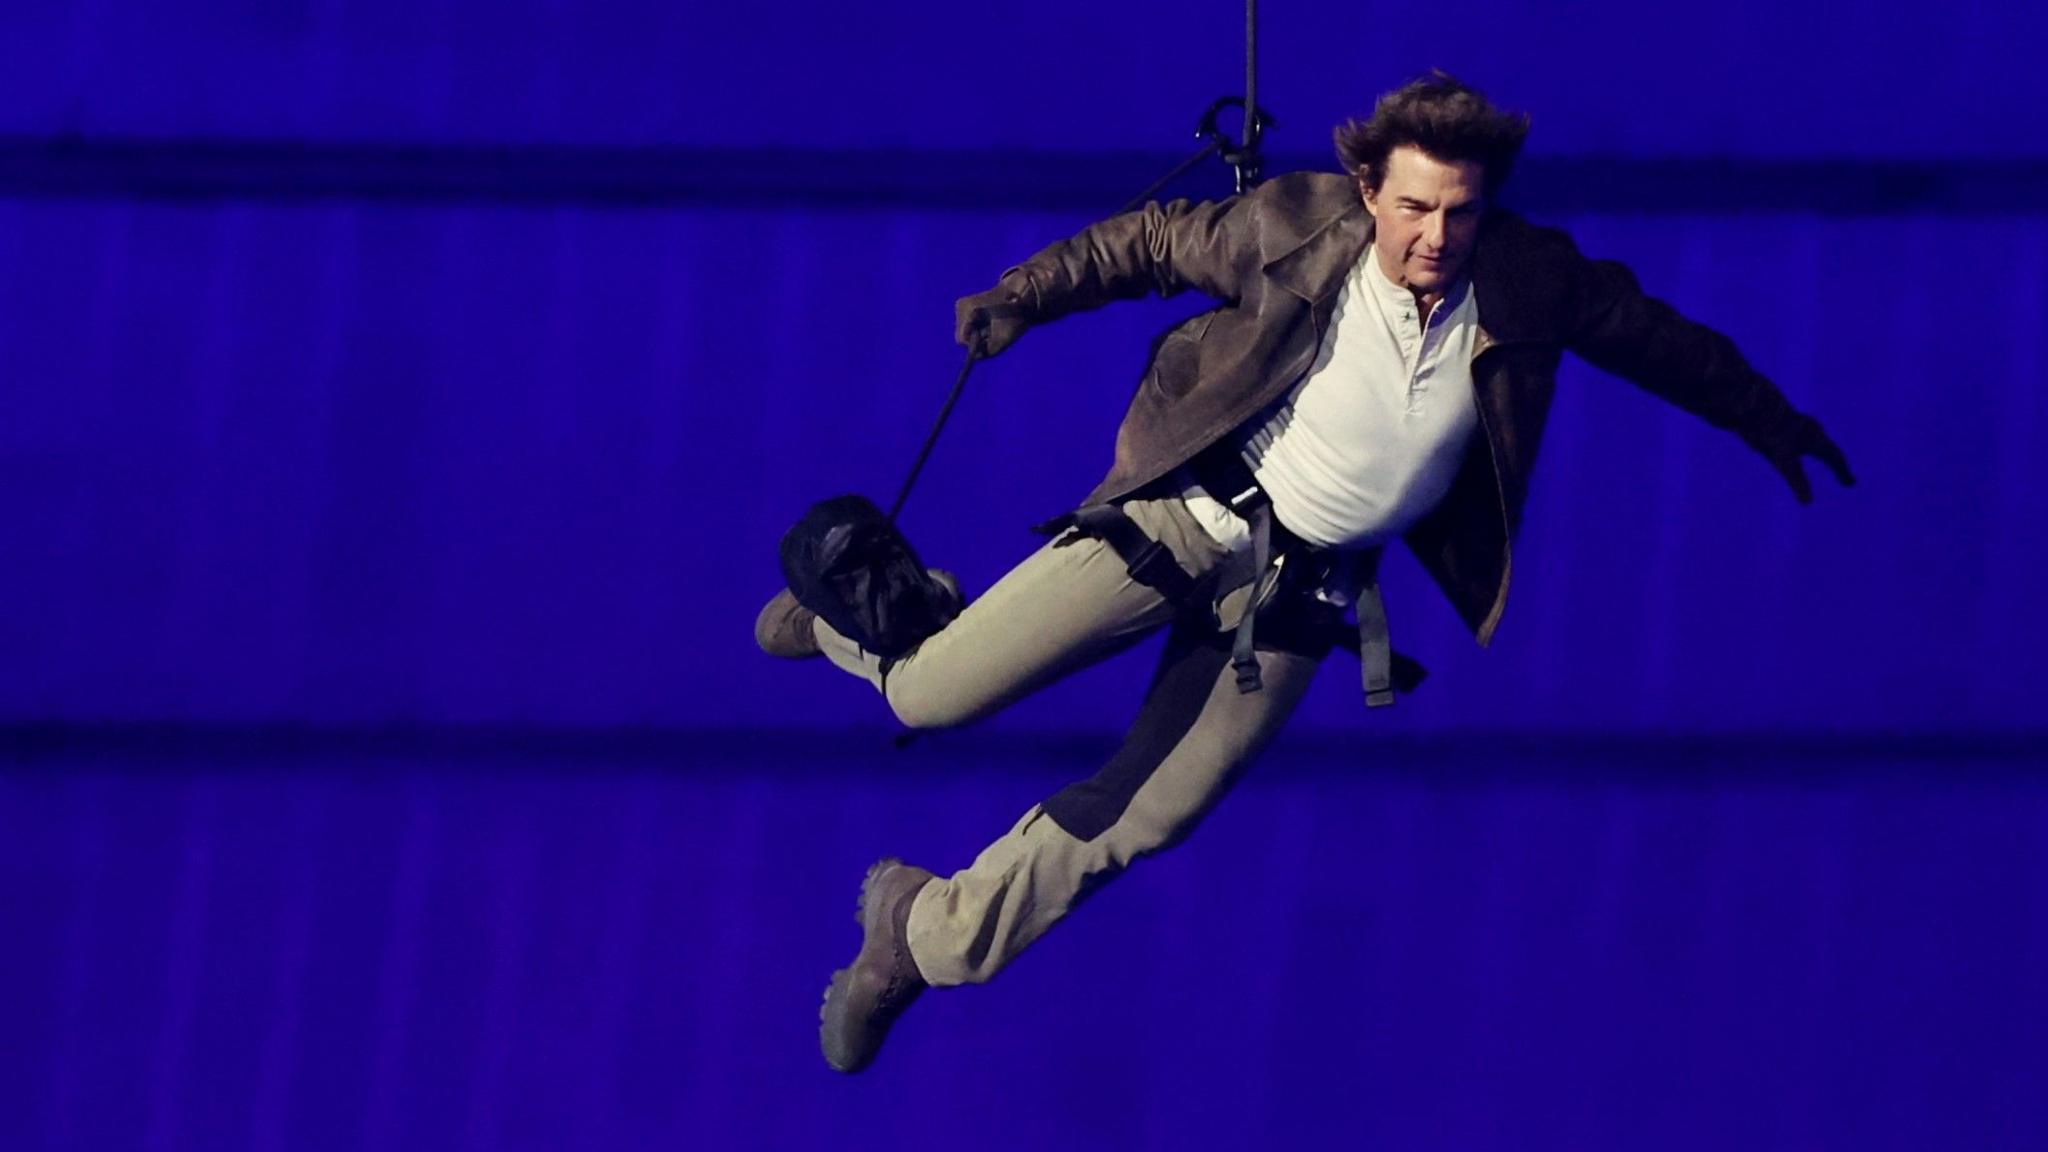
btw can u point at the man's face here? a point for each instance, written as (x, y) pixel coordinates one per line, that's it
(1426, 213)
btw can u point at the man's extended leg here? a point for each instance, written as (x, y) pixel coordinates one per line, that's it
(1068, 605)
(1193, 736)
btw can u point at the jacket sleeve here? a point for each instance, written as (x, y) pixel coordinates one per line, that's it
(1615, 327)
(1211, 247)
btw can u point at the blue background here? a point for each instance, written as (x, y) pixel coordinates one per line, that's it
(399, 405)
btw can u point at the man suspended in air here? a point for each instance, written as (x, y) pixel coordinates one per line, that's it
(1378, 368)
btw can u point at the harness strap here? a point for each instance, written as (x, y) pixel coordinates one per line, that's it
(1146, 560)
(1244, 658)
(1225, 475)
(1375, 646)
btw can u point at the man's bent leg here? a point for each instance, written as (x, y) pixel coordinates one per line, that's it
(1193, 735)
(1068, 605)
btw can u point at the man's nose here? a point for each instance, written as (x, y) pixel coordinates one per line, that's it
(1433, 231)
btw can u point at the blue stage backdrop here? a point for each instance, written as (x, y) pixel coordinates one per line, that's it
(1781, 78)
(400, 404)
(1447, 945)
(527, 466)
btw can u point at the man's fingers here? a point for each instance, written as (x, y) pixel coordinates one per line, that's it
(989, 321)
(1831, 455)
(1794, 473)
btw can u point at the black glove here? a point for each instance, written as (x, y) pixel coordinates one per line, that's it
(1787, 454)
(991, 321)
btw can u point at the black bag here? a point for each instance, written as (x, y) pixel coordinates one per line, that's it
(848, 563)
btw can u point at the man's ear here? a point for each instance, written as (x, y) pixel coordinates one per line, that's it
(1371, 198)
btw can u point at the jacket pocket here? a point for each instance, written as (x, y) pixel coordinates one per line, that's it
(1176, 357)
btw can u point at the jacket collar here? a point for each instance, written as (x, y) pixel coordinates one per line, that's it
(1504, 270)
(1313, 262)
(1311, 259)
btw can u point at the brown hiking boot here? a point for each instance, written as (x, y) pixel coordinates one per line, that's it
(864, 1000)
(784, 628)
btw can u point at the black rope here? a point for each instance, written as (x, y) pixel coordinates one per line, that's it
(1216, 144)
(1248, 167)
(1242, 155)
(932, 440)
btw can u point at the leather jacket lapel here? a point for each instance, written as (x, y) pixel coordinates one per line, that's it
(1315, 267)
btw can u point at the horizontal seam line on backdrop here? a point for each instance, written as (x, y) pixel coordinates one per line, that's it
(1749, 755)
(221, 169)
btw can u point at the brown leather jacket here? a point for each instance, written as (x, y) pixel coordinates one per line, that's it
(1277, 256)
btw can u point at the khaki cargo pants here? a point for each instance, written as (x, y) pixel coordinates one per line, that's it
(1067, 606)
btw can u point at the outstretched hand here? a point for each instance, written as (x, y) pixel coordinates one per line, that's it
(1788, 456)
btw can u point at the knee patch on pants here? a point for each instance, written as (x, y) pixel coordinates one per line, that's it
(1088, 808)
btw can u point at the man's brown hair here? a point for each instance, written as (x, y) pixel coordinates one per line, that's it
(1441, 116)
